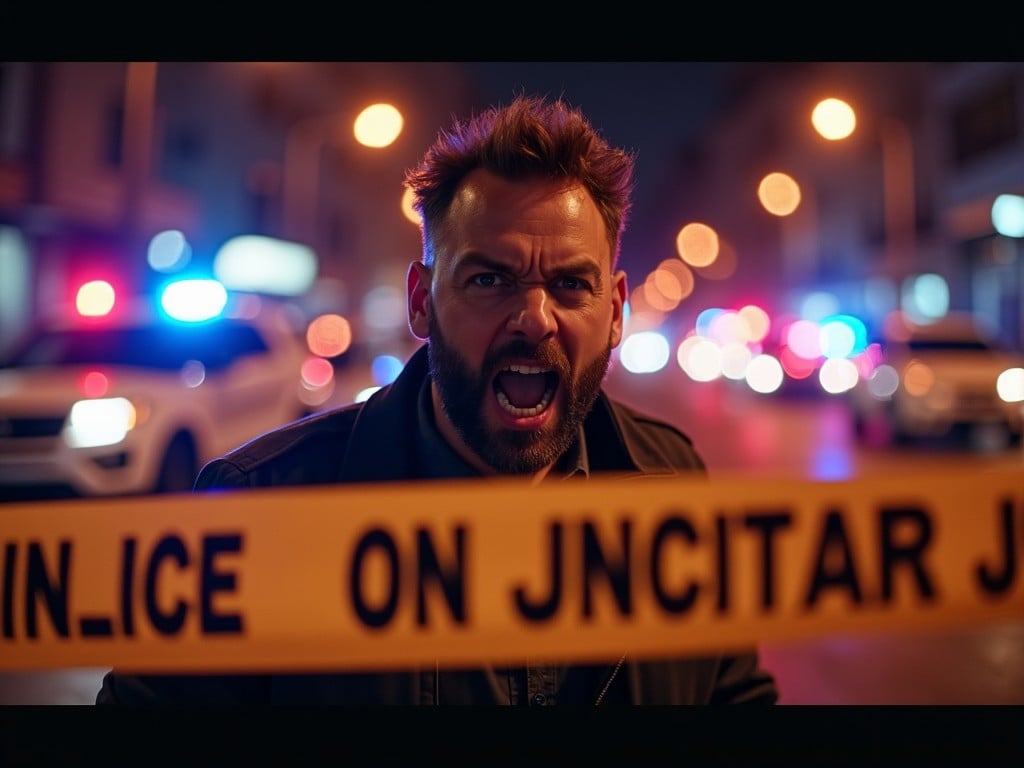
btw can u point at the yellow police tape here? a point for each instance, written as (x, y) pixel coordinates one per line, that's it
(457, 573)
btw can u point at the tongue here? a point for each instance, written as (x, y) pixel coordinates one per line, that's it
(523, 390)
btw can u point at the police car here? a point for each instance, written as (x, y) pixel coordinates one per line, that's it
(947, 379)
(134, 401)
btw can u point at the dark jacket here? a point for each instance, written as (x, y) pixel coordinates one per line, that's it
(374, 442)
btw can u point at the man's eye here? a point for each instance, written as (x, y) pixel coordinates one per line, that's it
(573, 284)
(488, 280)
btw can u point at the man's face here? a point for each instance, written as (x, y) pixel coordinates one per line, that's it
(521, 311)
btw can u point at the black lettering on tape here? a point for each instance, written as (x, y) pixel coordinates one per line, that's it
(374, 540)
(54, 594)
(722, 562)
(10, 561)
(218, 581)
(169, 547)
(128, 546)
(910, 552)
(997, 580)
(95, 626)
(768, 523)
(679, 602)
(615, 569)
(834, 565)
(546, 607)
(452, 580)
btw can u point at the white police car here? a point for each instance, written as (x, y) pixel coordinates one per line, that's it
(947, 379)
(133, 402)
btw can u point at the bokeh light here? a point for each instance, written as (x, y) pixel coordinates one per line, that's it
(837, 375)
(756, 321)
(385, 369)
(407, 209)
(699, 358)
(697, 244)
(262, 264)
(804, 338)
(1010, 385)
(764, 374)
(329, 335)
(316, 372)
(833, 118)
(925, 297)
(168, 251)
(95, 298)
(193, 300)
(378, 125)
(1008, 215)
(93, 384)
(644, 352)
(779, 193)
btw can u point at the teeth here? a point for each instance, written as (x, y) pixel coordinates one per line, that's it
(521, 412)
(517, 368)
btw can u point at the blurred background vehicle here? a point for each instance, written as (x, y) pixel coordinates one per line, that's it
(943, 379)
(128, 399)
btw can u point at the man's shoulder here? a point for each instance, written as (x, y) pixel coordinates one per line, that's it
(654, 427)
(305, 450)
(653, 442)
(301, 434)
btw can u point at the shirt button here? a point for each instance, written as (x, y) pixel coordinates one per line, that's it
(539, 699)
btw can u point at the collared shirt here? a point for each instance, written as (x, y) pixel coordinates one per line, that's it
(539, 682)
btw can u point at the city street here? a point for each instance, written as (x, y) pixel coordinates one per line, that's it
(811, 438)
(803, 437)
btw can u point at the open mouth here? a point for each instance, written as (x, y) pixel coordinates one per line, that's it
(525, 390)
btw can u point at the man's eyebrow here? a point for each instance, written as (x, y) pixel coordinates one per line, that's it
(576, 266)
(477, 260)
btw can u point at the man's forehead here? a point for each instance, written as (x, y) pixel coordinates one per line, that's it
(492, 214)
(483, 191)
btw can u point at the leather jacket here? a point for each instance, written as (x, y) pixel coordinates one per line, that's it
(375, 441)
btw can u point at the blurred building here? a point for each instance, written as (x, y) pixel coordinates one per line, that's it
(910, 192)
(97, 157)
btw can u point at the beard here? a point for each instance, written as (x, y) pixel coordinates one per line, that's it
(464, 391)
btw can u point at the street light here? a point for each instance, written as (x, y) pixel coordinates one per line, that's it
(377, 126)
(834, 120)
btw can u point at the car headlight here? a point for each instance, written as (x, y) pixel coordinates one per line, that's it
(1010, 385)
(99, 421)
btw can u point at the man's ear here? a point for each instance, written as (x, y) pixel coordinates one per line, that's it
(620, 294)
(417, 288)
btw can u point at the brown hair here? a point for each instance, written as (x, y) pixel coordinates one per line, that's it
(530, 136)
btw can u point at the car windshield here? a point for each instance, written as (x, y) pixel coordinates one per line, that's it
(163, 347)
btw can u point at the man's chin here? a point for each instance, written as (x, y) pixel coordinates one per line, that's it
(519, 451)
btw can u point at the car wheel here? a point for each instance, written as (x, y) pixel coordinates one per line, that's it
(178, 469)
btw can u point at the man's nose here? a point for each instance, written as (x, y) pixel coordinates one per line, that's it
(532, 317)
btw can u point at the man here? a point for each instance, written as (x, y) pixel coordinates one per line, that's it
(520, 303)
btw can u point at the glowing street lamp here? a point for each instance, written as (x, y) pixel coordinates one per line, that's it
(377, 126)
(835, 120)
